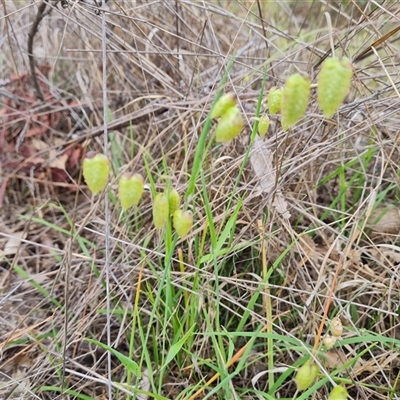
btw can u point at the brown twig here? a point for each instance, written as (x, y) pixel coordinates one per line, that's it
(41, 13)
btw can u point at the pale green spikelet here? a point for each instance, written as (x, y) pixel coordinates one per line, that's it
(160, 210)
(224, 103)
(130, 190)
(229, 126)
(274, 100)
(334, 81)
(294, 100)
(96, 168)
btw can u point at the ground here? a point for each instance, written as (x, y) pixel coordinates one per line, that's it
(292, 232)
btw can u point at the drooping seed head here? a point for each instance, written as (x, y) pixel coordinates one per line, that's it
(224, 103)
(174, 200)
(306, 375)
(336, 327)
(329, 341)
(334, 81)
(263, 125)
(130, 190)
(160, 210)
(183, 222)
(338, 393)
(229, 126)
(274, 100)
(294, 100)
(96, 168)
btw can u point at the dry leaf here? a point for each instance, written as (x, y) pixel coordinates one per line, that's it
(261, 160)
(59, 162)
(385, 220)
(281, 205)
(39, 144)
(144, 385)
(12, 244)
(337, 358)
(334, 358)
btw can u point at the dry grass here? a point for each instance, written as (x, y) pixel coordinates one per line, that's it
(243, 265)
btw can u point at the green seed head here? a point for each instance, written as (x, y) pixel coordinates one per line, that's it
(338, 393)
(174, 200)
(306, 375)
(274, 100)
(229, 126)
(183, 222)
(130, 190)
(334, 81)
(263, 125)
(96, 168)
(160, 210)
(294, 100)
(225, 102)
